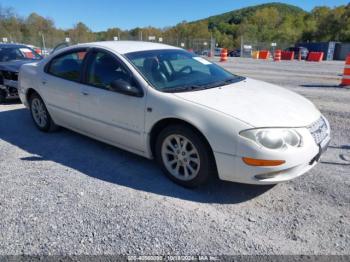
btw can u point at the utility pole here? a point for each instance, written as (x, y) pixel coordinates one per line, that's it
(211, 28)
(241, 53)
(43, 39)
(212, 44)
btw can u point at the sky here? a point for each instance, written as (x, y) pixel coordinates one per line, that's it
(99, 15)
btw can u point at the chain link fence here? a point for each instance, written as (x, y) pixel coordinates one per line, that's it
(248, 47)
(198, 46)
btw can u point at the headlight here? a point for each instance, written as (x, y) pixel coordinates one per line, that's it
(274, 138)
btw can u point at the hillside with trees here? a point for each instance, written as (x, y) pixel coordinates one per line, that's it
(274, 22)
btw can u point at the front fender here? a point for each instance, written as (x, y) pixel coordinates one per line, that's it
(220, 130)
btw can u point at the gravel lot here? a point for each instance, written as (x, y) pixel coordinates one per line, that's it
(63, 193)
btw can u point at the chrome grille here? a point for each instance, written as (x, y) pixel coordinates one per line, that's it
(319, 130)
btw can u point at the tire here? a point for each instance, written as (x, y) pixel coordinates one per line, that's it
(2, 96)
(190, 166)
(40, 115)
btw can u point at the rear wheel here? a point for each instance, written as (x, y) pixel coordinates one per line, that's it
(183, 155)
(40, 115)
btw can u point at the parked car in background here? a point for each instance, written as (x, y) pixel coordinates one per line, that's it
(194, 117)
(235, 53)
(36, 49)
(217, 51)
(205, 52)
(303, 50)
(12, 57)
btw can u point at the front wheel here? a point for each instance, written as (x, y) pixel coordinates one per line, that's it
(40, 115)
(184, 156)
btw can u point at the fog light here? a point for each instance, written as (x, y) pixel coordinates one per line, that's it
(268, 175)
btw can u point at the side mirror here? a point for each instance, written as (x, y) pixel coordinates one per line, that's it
(123, 87)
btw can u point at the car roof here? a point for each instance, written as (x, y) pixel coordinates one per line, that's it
(12, 45)
(123, 47)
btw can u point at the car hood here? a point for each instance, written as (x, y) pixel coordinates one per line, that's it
(257, 103)
(15, 65)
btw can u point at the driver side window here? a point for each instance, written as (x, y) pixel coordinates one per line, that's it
(103, 69)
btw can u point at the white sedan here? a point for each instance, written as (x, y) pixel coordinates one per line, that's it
(195, 118)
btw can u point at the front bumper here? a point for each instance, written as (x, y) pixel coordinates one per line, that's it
(297, 161)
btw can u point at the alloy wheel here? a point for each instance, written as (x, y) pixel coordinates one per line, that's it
(180, 157)
(39, 112)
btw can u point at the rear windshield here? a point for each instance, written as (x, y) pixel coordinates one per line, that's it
(17, 53)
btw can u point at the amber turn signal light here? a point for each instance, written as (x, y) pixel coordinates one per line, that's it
(261, 162)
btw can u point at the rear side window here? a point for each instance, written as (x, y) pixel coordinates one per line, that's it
(68, 65)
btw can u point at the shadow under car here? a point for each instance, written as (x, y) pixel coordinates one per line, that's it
(110, 164)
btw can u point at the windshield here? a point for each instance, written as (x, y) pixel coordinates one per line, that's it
(17, 53)
(178, 70)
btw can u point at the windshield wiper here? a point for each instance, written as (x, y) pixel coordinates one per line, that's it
(211, 85)
(223, 83)
(180, 88)
(201, 87)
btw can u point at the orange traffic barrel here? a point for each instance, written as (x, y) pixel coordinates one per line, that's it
(315, 56)
(255, 54)
(223, 55)
(346, 75)
(277, 55)
(264, 54)
(287, 55)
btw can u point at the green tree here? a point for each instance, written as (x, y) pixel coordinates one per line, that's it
(81, 34)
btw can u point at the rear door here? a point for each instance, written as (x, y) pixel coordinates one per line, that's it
(107, 114)
(61, 87)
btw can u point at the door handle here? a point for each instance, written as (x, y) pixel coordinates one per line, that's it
(43, 81)
(85, 93)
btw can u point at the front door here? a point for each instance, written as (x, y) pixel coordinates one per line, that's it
(107, 114)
